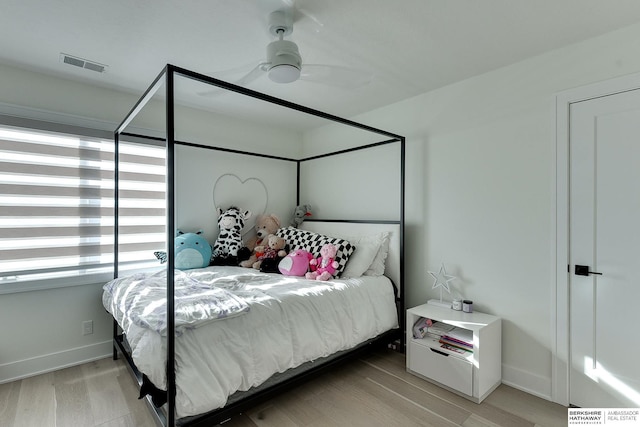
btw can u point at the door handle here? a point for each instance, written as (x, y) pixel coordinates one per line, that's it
(583, 270)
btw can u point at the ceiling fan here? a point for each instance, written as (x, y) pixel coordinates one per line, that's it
(284, 64)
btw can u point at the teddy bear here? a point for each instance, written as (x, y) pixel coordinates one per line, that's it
(324, 267)
(273, 247)
(299, 214)
(265, 225)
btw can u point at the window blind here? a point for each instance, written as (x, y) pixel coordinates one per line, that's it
(57, 205)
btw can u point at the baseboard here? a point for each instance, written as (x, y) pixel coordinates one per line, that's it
(536, 385)
(54, 361)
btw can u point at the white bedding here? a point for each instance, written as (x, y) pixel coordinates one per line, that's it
(141, 299)
(290, 321)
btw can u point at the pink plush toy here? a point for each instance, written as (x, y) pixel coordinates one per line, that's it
(296, 263)
(324, 267)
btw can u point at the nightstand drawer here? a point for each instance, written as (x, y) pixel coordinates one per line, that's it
(446, 369)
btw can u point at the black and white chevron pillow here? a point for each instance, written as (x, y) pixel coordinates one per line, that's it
(313, 242)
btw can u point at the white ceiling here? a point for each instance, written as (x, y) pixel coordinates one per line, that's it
(409, 46)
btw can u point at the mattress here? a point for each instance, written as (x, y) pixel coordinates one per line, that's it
(260, 325)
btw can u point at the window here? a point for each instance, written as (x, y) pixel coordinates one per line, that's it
(57, 207)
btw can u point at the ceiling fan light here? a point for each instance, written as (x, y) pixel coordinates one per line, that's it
(285, 61)
(284, 73)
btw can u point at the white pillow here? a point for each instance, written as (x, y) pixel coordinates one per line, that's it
(361, 259)
(377, 265)
(367, 249)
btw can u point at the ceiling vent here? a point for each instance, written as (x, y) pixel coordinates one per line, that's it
(83, 63)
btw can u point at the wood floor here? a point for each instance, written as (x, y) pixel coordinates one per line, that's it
(373, 391)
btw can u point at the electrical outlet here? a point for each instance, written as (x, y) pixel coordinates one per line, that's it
(87, 327)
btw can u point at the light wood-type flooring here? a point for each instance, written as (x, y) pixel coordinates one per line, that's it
(373, 391)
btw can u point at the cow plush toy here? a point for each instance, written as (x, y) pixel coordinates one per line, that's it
(229, 241)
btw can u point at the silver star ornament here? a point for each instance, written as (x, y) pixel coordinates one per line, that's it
(442, 279)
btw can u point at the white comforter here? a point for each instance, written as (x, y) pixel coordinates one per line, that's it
(290, 321)
(200, 297)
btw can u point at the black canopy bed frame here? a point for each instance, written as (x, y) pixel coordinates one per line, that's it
(393, 338)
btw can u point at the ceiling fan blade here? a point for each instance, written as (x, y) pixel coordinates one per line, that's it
(253, 74)
(333, 75)
(299, 12)
(231, 73)
(257, 72)
(318, 24)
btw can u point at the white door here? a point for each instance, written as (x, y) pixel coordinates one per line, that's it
(605, 239)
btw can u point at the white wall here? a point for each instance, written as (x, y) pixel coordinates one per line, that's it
(208, 179)
(41, 330)
(361, 184)
(480, 193)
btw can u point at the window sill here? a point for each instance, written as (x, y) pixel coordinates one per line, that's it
(9, 287)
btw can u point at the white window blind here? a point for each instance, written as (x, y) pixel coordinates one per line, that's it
(57, 206)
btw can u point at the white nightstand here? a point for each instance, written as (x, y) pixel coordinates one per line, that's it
(472, 375)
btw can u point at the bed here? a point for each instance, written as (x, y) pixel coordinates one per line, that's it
(206, 344)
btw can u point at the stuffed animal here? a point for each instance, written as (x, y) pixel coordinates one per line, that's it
(273, 248)
(191, 251)
(299, 214)
(265, 225)
(229, 241)
(296, 263)
(270, 265)
(324, 267)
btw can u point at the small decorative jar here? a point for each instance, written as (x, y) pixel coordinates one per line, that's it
(457, 304)
(467, 306)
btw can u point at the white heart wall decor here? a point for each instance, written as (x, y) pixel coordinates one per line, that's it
(249, 194)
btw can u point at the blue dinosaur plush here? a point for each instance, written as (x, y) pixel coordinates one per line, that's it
(191, 251)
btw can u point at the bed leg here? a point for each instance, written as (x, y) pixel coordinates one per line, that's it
(115, 334)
